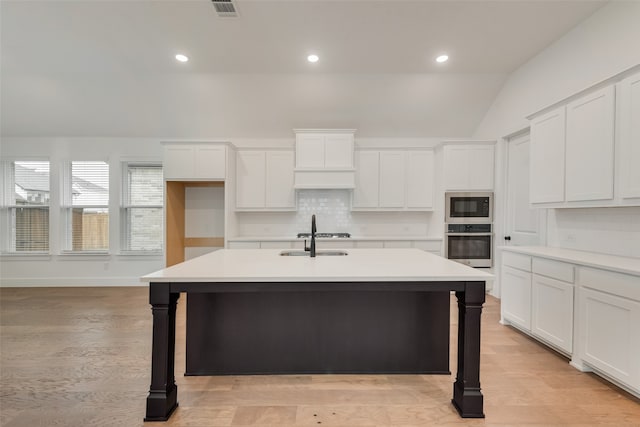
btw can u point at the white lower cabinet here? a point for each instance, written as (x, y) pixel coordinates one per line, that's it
(609, 319)
(590, 314)
(552, 311)
(516, 297)
(611, 340)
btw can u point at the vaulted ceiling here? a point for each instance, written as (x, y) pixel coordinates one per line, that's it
(107, 68)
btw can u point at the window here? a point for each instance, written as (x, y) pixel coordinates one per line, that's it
(85, 206)
(142, 208)
(26, 203)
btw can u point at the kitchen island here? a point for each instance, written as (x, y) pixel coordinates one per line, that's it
(319, 314)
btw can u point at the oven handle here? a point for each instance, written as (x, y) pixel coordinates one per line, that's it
(468, 234)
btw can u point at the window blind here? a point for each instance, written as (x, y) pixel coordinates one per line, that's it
(143, 212)
(28, 191)
(87, 187)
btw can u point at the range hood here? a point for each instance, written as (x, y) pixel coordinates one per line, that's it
(324, 179)
(324, 159)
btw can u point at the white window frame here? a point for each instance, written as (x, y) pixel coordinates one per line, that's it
(67, 207)
(7, 245)
(125, 205)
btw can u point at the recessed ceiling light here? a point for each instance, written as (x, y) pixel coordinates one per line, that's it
(442, 58)
(313, 58)
(182, 58)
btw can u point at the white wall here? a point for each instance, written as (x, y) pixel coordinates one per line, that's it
(79, 269)
(602, 46)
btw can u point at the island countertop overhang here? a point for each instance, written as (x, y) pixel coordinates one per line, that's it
(360, 265)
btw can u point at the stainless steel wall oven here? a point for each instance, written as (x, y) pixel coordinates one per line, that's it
(469, 244)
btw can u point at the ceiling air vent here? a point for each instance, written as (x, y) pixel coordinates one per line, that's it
(225, 8)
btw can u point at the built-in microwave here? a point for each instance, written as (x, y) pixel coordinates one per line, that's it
(468, 207)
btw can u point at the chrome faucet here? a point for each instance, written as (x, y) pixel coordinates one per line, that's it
(312, 248)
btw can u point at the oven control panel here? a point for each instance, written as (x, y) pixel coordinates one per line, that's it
(468, 228)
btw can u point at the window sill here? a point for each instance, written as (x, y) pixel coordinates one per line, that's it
(70, 255)
(138, 254)
(26, 256)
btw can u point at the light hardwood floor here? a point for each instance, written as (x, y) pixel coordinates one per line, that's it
(81, 357)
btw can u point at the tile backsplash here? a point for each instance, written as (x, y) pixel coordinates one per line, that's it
(332, 209)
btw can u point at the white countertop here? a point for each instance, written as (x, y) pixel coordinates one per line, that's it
(590, 259)
(360, 265)
(294, 238)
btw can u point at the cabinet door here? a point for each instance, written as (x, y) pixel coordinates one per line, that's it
(178, 162)
(338, 151)
(589, 146)
(516, 297)
(419, 165)
(210, 162)
(629, 115)
(279, 180)
(552, 311)
(481, 164)
(250, 182)
(309, 151)
(456, 167)
(392, 179)
(609, 330)
(365, 193)
(546, 173)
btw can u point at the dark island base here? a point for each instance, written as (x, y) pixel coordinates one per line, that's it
(420, 319)
(318, 332)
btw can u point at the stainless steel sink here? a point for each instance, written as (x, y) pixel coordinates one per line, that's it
(295, 252)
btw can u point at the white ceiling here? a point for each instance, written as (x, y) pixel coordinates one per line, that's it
(106, 67)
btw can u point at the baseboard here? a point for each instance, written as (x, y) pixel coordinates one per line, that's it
(63, 282)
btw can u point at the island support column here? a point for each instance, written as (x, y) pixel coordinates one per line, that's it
(467, 397)
(163, 393)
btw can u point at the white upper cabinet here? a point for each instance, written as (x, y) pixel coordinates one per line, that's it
(394, 180)
(590, 146)
(264, 180)
(195, 162)
(468, 166)
(279, 180)
(250, 178)
(310, 150)
(338, 150)
(629, 125)
(366, 192)
(420, 170)
(324, 159)
(320, 150)
(546, 179)
(585, 152)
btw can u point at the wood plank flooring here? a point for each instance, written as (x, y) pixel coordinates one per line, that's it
(81, 357)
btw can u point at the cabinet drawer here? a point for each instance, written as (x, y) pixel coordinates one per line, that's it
(519, 261)
(623, 285)
(554, 269)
